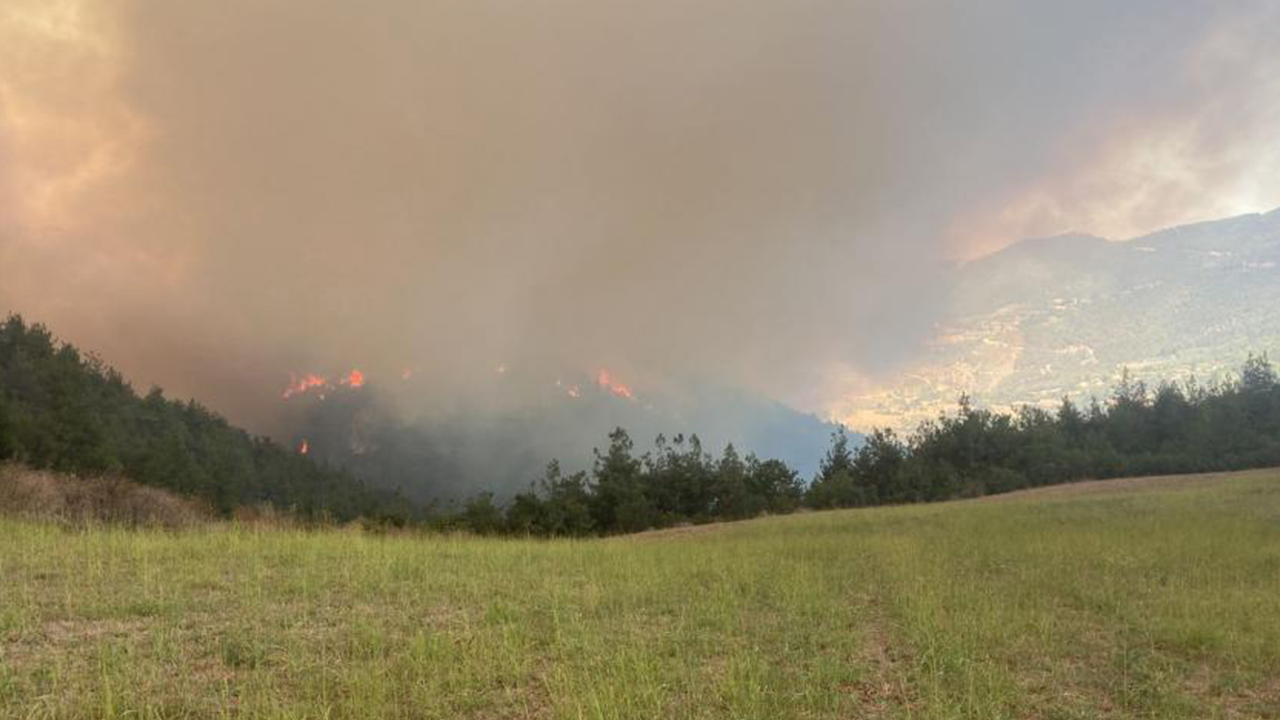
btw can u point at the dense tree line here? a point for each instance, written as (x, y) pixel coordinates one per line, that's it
(677, 483)
(66, 411)
(1173, 428)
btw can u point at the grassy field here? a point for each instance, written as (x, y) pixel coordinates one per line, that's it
(1156, 598)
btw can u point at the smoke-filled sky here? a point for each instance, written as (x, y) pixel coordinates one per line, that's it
(213, 195)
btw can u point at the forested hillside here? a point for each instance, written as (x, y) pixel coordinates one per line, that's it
(67, 411)
(70, 412)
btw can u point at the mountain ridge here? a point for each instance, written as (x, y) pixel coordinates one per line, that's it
(1065, 316)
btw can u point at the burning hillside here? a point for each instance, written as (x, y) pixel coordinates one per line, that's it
(605, 380)
(312, 383)
(417, 436)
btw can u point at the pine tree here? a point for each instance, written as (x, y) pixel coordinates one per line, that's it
(619, 503)
(834, 485)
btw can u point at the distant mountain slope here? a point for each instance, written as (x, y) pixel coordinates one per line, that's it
(1065, 315)
(69, 412)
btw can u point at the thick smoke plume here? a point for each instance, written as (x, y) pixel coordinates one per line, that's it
(216, 195)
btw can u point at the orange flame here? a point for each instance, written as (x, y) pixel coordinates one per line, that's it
(311, 381)
(606, 381)
(298, 386)
(304, 448)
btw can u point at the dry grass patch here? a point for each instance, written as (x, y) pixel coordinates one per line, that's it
(1155, 601)
(76, 501)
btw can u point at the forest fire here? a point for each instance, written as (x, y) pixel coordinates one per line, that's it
(605, 381)
(304, 448)
(311, 381)
(306, 383)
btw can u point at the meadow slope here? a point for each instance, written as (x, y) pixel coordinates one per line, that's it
(1156, 598)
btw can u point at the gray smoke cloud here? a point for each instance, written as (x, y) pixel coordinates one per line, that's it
(214, 195)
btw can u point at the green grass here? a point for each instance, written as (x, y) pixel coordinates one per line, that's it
(1161, 600)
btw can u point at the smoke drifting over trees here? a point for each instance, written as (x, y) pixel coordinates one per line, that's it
(217, 195)
(395, 435)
